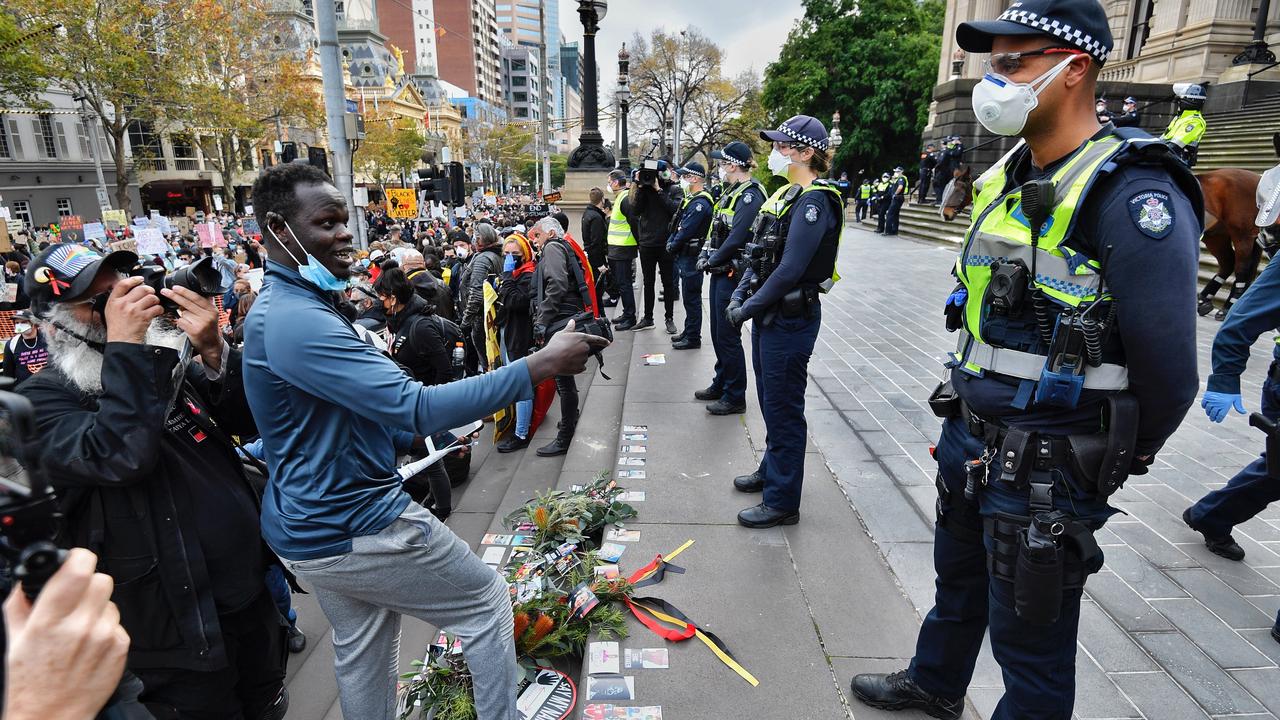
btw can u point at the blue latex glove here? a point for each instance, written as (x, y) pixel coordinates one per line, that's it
(958, 297)
(1218, 405)
(509, 265)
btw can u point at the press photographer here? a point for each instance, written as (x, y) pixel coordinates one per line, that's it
(135, 438)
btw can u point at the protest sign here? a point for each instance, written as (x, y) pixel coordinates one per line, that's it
(151, 242)
(129, 245)
(115, 216)
(95, 231)
(254, 277)
(6, 242)
(402, 203)
(250, 227)
(210, 235)
(71, 229)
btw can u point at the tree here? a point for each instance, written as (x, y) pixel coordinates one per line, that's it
(497, 146)
(683, 69)
(127, 58)
(391, 146)
(238, 88)
(529, 169)
(23, 74)
(887, 52)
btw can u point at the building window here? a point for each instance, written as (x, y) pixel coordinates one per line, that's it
(522, 112)
(64, 207)
(1141, 28)
(519, 81)
(143, 139)
(5, 151)
(15, 140)
(45, 140)
(22, 211)
(83, 136)
(520, 97)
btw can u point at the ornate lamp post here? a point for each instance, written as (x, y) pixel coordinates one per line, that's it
(1257, 51)
(834, 139)
(591, 153)
(957, 62)
(623, 96)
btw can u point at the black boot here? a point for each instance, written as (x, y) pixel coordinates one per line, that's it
(297, 640)
(752, 483)
(763, 516)
(559, 446)
(512, 443)
(896, 691)
(710, 393)
(724, 407)
(1225, 546)
(278, 708)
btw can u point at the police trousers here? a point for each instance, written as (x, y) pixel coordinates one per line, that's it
(780, 356)
(731, 361)
(690, 294)
(1036, 661)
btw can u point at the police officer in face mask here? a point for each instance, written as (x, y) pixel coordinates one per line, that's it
(1097, 234)
(791, 261)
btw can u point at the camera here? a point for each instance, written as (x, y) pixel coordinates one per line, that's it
(1008, 287)
(585, 322)
(29, 517)
(202, 277)
(649, 172)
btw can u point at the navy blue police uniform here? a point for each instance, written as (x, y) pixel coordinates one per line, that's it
(803, 225)
(1034, 442)
(690, 229)
(739, 206)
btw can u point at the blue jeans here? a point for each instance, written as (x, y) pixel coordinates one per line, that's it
(524, 417)
(624, 274)
(731, 361)
(1037, 661)
(690, 294)
(780, 354)
(1246, 494)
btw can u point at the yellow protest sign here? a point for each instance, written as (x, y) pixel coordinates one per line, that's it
(402, 203)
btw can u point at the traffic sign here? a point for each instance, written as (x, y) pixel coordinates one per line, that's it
(402, 203)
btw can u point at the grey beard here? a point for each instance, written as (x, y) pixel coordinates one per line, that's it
(81, 364)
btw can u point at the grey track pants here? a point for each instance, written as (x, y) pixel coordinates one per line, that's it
(416, 566)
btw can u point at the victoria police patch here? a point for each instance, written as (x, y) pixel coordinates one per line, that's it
(1151, 211)
(811, 214)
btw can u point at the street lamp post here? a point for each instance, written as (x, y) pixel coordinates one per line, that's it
(834, 139)
(591, 154)
(1257, 52)
(624, 99)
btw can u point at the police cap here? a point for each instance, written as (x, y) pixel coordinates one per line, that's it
(801, 129)
(1079, 23)
(692, 168)
(738, 153)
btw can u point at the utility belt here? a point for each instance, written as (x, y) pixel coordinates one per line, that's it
(1043, 556)
(798, 302)
(1099, 462)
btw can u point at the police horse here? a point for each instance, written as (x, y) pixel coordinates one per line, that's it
(1230, 234)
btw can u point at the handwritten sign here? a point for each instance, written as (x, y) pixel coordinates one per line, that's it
(250, 227)
(95, 231)
(210, 235)
(151, 242)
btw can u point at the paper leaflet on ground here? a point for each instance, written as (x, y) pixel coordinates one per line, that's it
(603, 657)
(635, 428)
(621, 535)
(494, 555)
(637, 449)
(611, 687)
(600, 711)
(645, 659)
(611, 552)
(654, 359)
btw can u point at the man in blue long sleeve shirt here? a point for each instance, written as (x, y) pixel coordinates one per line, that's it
(692, 225)
(331, 410)
(1251, 490)
(730, 231)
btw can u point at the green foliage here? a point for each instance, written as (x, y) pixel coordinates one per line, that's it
(886, 53)
(529, 169)
(22, 73)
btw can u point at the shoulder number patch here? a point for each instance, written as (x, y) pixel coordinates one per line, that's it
(1151, 211)
(811, 214)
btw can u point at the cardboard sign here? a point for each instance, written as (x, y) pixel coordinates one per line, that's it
(183, 225)
(551, 197)
(150, 241)
(4, 213)
(6, 242)
(115, 216)
(250, 227)
(402, 203)
(128, 245)
(217, 203)
(254, 277)
(71, 222)
(95, 231)
(10, 293)
(210, 235)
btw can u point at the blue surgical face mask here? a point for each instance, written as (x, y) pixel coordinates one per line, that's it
(311, 270)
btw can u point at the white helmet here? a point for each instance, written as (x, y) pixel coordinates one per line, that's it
(1269, 198)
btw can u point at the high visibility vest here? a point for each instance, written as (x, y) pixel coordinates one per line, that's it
(1186, 129)
(726, 209)
(619, 227)
(865, 191)
(771, 226)
(1066, 277)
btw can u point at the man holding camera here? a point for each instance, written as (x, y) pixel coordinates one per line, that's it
(136, 440)
(689, 231)
(655, 202)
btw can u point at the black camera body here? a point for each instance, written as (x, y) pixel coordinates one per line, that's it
(585, 322)
(29, 517)
(201, 276)
(1008, 287)
(648, 172)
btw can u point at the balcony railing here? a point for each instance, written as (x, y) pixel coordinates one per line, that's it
(186, 164)
(150, 164)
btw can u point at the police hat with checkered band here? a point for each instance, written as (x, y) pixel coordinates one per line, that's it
(66, 271)
(736, 152)
(1076, 23)
(800, 129)
(693, 169)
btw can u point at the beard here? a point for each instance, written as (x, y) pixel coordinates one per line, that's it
(82, 364)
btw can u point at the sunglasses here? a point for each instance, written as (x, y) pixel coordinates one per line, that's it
(1011, 62)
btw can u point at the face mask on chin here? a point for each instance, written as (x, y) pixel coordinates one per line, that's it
(311, 271)
(1003, 106)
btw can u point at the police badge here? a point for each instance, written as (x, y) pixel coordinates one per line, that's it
(811, 214)
(1150, 211)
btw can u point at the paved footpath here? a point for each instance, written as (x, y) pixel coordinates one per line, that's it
(1168, 630)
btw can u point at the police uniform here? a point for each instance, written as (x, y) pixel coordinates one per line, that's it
(730, 232)
(689, 231)
(1048, 355)
(791, 261)
(1129, 118)
(622, 254)
(864, 200)
(928, 161)
(1185, 131)
(882, 203)
(899, 189)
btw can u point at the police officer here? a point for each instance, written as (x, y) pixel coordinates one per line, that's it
(947, 162)
(1104, 113)
(882, 202)
(742, 199)
(1012, 487)
(1185, 131)
(689, 230)
(928, 161)
(1129, 117)
(1257, 311)
(864, 200)
(622, 252)
(898, 191)
(791, 260)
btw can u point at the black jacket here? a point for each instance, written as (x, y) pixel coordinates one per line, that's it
(434, 291)
(486, 265)
(134, 483)
(595, 227)
(653, 212)
(419, 343)
(515, 294)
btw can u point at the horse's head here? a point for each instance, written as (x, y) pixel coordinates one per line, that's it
(958, 194)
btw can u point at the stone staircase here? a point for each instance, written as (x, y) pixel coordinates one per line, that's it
(1241, 138)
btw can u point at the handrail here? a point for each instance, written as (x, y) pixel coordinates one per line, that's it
(1248, 80)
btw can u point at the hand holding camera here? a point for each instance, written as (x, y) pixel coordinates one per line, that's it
(198, 318)
(131, 307)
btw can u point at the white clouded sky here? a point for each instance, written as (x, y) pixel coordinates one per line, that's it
(751, 32)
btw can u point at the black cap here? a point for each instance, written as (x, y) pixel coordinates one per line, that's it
(692, 168)
(65, 272)
(737, 152)
(801, 129)
(1078, 23)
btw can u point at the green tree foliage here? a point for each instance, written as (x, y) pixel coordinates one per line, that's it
(874, 61)
(22, 73)
(526, 171)
(391, 146)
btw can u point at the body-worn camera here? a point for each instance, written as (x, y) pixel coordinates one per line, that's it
(1008, 287)
(201, 276)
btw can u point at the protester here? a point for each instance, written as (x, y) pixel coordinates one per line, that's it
(483, 268)
(595, 225)
(655, 205)
(333, 411)
(26, 353)
(137, 445)
(428, 286)
(515, 293)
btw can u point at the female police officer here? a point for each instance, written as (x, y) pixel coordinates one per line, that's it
(791, 259)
